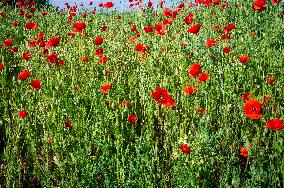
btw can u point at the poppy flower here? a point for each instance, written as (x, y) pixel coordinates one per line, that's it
(184, 148)
(8, 42)
(201, 111)
(15, 24)
(252, 109)
(85, 58)
(162, 96)
(24, 75)
(194, 69)
(14, 49)
(270, 80)
(104, 28)
(160, 29)
(103, 59)
(203, 77)
(108, 5)
(52, 42)
(31, 25)
(52, 58)
(132, 118)
(210, 42)
(226, 50)
(1, 67)
(246, 96)
(259, 5)
(26, 56)
(23, 114)
(228, 28)
(105, 87)
(275, 124)
(141, 47)
(275, 2)
(216, 27)
(188, 19)
(188, 90)
(244, 59)
(244, 151)
(68, 124)
(194, 29)
(79, 26)
(35, 84)
(148, 29)
(99, 52)
(133, 28)
(168, 12)
(99, 40)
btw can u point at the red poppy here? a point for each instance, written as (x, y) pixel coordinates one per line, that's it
(99, 52)
(108, 5)
(160, 29)
(275, 2)
(105, 87)
(8, 42)
(23, 114)
(85, 58)
(252, 109)
(184, 148)
(44, 13)
(52, 42)
(162, 96)
(35, 84)
(99, 40)
(133, 28)
(201, 111)
(228, 28)
(246, 96)
(68, 124)
(188, 90)
(194, 69)
(79, 26)
(244, 59)
(244, 151)
(203, 77)
(210, 42)
(226, 50)
(24, 75)
(26, 56)
(132, 118)
(270, 80)
(194, 29)
(275, 124)
(216, 27)
(1, 67)
(188, 19)
(141, 47)
(15, 24)
(104, 28)
(168, 12)
(259, 5)
(103, 59)
(148, 29)
(14, 49)
(31, 25)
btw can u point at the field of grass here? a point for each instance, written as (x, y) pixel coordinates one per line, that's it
(191, 96)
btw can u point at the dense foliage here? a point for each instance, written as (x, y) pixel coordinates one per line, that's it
(190, 96)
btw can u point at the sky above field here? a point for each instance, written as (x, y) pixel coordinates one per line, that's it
(118, 4)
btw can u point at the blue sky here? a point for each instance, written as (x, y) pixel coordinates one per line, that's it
(119, 4)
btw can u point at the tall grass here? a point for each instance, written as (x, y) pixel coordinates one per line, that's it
(102, 149)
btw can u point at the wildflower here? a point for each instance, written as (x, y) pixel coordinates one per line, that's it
(132, 118)
(52, 42)
(68, 124)
(98, 41)
(226, 50)
(203, 77)
(1, 67)
(275, 124)
(252, 109)
(162, 96)
(194, 69)
(244, 59)
(194, 29)
(26, 56)
(244, 151)
(79, 26)
(105, 88)
(184, 148)
(24, 75)
(259, 5)
(23, 114)
(36, 84)
(8, 42)
(31, 25)
(210, 42)
(188, 90)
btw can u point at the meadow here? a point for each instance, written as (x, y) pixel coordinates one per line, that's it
(186, 96)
